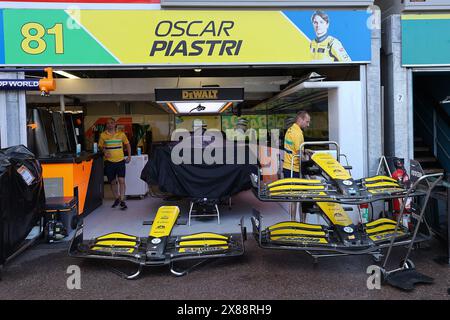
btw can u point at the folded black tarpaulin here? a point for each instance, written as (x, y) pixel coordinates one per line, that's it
(198, 181)
(22, 197)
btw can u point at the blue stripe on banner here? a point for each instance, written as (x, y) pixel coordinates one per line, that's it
(2, 39)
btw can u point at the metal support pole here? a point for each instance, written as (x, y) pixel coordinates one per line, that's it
(62, 103)
(13, 117)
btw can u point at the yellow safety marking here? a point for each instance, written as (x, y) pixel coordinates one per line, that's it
(164, 221)
(331, 166)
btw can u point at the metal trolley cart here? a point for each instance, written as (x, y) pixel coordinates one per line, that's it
(327, 188)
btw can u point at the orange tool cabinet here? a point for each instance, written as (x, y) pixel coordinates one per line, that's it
(75, 176)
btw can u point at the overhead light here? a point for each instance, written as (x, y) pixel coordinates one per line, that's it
(197, 107)
(66, 74)
(198, 70)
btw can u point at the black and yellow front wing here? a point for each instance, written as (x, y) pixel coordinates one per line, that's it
(364, 239)
(311, 190)
(159, 248)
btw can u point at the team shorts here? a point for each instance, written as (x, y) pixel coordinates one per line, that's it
(114, 169)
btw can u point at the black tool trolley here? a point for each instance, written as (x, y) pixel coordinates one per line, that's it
(61, 217)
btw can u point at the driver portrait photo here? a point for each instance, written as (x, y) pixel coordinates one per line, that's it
(324, 47)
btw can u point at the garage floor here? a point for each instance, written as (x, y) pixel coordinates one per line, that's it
(41, 272)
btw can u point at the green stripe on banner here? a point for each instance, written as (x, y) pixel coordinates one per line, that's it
(426, 42)
(49, 37)
(2, 42)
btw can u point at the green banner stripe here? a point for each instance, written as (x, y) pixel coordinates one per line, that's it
(425, 42)
(33, 38)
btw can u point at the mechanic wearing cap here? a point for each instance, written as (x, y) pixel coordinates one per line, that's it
(111, 142)
(292, 142)
(325, 47)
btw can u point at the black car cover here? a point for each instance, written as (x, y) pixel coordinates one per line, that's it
(202, 180)
(22, 197)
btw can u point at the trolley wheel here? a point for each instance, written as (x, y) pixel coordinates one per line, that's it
(74, 222)
(407, 264)
(377, 258)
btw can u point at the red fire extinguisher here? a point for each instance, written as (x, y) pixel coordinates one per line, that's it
(364, 210)
(403, 179)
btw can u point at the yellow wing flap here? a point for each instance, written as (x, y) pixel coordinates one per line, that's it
(204, 235)
(117, 236)
(294, 224)
(164, 221)
(113, 249)
(380, 221)
(381, 228)
(308, 193)
(115, 246)
(202, 249)
(387, 235)
(382, 184)
(296, 187)
(293, 231)
(385, 190)
(384, 229)
(115, 242)
(379, 179)
(299, 240)
(291, 181)
(202, 242)
(331, 166)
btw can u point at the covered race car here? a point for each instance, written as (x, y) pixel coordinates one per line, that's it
(328, 189)
(159, 248)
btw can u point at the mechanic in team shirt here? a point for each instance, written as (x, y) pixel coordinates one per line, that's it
(111, 142)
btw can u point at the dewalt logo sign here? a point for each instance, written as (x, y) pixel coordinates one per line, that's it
(200, 94)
